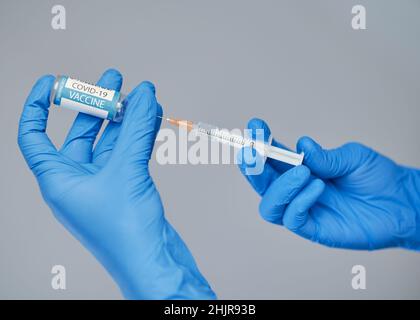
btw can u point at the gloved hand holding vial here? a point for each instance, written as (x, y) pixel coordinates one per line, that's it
(104, 195)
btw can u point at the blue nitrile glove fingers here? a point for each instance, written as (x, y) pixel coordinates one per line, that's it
(109, 137)
(355, 197)
(32, 137)
(281, 192)
(248, 158)
(82, 135)
(112, 206)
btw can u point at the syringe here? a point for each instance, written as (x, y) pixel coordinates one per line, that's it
(238, 141)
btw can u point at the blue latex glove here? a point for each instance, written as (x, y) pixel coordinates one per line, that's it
(349, 197)
(106, 198)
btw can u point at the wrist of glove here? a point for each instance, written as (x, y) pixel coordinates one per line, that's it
(160, 269)
(412, 190)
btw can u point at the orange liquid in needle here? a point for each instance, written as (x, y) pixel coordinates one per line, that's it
(181, 123)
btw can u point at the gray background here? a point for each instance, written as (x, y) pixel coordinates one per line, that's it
(298, 64)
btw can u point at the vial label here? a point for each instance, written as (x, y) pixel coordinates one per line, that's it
(87, 98)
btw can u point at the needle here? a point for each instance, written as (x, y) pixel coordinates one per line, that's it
(179, 123)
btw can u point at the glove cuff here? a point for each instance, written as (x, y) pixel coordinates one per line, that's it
(412, 190)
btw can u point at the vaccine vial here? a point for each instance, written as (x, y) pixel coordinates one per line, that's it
(88, 98)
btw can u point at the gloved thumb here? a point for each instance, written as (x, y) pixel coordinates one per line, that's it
(139, 127)
(334, 163)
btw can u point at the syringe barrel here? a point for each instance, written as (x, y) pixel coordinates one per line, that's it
(220, 135)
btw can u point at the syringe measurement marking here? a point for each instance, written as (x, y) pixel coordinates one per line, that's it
(226, 137)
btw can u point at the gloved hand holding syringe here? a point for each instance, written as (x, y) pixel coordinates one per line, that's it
(223, 136)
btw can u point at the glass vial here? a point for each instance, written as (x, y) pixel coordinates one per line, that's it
(88, 98)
